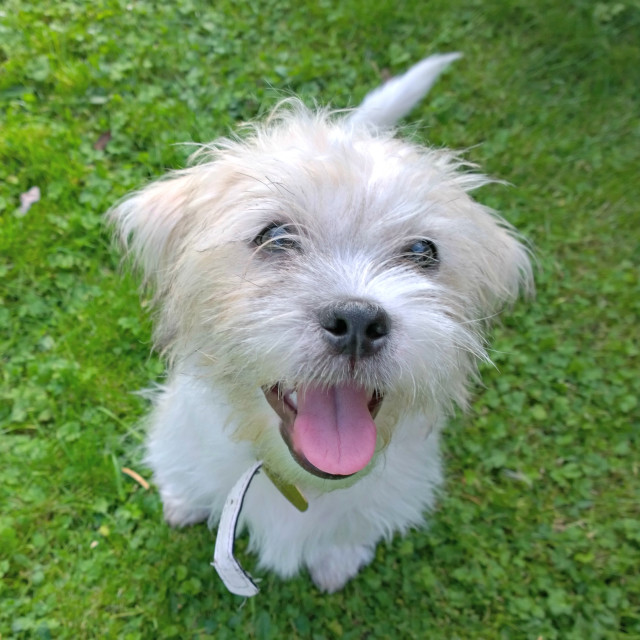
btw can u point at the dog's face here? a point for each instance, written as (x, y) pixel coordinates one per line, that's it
(329, 278)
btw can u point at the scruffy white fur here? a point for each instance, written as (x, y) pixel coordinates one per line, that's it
(238, 313)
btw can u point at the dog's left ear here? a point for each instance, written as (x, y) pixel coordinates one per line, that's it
(506, 270)
(148, 224)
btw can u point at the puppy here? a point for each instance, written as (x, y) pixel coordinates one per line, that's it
(322, 290)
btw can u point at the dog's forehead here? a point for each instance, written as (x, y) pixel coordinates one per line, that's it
(341, 189)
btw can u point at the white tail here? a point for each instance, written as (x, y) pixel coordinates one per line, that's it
(384, 106)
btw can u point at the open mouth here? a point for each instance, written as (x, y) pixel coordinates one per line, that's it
(330, 431)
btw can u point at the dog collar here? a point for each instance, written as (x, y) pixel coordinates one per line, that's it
(235, 578)
(289, 491)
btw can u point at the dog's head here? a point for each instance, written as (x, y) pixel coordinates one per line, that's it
(329, 277)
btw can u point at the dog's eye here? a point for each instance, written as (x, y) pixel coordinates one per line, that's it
(277, 237)
(424, 253)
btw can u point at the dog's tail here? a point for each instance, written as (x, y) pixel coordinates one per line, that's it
(384, 106)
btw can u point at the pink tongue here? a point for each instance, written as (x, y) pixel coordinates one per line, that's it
(333, 429)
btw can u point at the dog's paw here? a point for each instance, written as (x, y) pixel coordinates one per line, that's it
(180, 514)
(331, 570)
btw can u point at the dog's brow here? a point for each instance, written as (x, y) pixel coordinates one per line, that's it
(268, 182)
(280, 186)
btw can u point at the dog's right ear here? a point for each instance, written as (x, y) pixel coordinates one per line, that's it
(147, 224)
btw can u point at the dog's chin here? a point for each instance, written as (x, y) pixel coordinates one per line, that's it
(329, 430)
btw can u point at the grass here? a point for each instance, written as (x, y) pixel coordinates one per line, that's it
(538, 535)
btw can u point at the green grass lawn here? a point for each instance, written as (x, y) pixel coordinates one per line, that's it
(538, 535)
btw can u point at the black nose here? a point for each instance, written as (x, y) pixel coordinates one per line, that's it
(354, 327)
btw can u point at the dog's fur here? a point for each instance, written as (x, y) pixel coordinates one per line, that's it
(249, 251)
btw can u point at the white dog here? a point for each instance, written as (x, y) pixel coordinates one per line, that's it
(322, 290)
